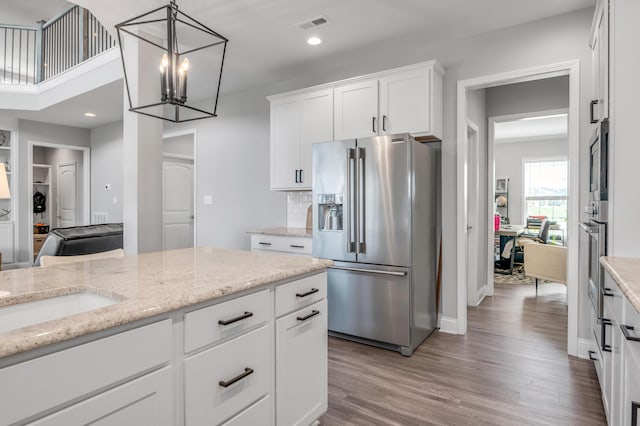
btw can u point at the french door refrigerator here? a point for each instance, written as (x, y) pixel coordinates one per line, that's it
(375, 204)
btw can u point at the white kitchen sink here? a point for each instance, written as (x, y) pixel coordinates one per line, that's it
(21, 315)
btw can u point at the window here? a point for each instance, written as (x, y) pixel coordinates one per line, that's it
(545, 189)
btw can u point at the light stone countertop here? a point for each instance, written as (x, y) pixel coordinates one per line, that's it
(625, 271)
(147, 285)
(285, 232)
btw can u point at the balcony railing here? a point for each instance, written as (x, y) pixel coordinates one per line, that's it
(35, 54)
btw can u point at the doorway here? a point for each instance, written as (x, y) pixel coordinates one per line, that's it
(570, 69)
(178, 190)
(59, 181)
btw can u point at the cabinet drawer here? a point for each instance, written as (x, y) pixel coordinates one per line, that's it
(145, 401)
(225, 320)
(246, 361)
(259, 413)
(298, 245)
(72, 373)
(632, 319)
(300, 293)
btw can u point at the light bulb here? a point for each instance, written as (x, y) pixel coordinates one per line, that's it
(164, 63)
(185, 64)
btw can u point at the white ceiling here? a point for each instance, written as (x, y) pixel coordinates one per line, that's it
(532, 128)
(21, 12)
(266, 47)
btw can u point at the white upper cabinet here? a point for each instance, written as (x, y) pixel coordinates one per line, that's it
(285, 138)
(599, 43)
(404, 102)
(316, 125)
(356, 110)
(297, 122)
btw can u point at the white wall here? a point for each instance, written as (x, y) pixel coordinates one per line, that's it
(509, 162)
(106, 169)
(38, 132)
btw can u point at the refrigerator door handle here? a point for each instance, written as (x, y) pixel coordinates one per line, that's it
(351, 222)
(371, 271)
(361, 246)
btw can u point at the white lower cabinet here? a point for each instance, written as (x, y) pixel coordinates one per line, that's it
(259, 413)
(281, 243)
(147, 401)
(226, 357)
(301, 365)
(631, 394)
(224, 380)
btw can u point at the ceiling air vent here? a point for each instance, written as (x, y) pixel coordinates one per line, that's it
(312, 23)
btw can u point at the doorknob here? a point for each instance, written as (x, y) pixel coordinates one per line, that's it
(469, 227)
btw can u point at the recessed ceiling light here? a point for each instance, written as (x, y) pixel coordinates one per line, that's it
(314, 41)
(89, 114)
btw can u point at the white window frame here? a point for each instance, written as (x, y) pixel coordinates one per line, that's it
(534, 198)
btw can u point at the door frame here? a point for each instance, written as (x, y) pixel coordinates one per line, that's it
(478, 294)
(183, 132)
(86, 183)
(572, 69)
(491, 169)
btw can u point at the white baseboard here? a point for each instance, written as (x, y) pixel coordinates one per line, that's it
(584, 346)
(482, 292)
(449, 325)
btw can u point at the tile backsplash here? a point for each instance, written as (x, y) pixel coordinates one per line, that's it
(297, 204)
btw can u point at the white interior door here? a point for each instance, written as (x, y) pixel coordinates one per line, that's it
(67, 197)
(472, 216)
(177, 205)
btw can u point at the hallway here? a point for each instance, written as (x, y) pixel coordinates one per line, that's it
(510, 369)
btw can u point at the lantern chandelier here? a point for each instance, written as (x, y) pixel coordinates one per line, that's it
(181, 49)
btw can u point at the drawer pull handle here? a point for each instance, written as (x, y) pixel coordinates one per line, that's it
(247, 371)
(236, 319)
(295, 246)
(625, 332)
(591, 356)
(309, 293)
(264, 244)
(607, 292)
(311, 315)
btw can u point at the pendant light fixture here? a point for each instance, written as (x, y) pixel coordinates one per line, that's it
(176, 63)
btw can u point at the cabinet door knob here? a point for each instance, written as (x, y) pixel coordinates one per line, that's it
(308, 293)
(592, 117)
(384, 123)
(225, 384)
(236, 319)
(311, 315)
(373, 125)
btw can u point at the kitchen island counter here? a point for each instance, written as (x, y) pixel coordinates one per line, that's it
(625, 271)
(145, 286)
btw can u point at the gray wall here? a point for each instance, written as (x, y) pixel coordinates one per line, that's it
(538, 95)
(33, 131)
(106, 169)
(508, 160)
(182, 145)
(549, 41)
(232, 165)
(476, 112)
(233, 150)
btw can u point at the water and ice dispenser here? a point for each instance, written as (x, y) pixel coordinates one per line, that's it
(330, 209)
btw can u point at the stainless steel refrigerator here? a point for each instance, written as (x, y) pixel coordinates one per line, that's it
(375, 204)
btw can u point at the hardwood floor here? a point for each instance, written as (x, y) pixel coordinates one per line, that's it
(510, 369)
